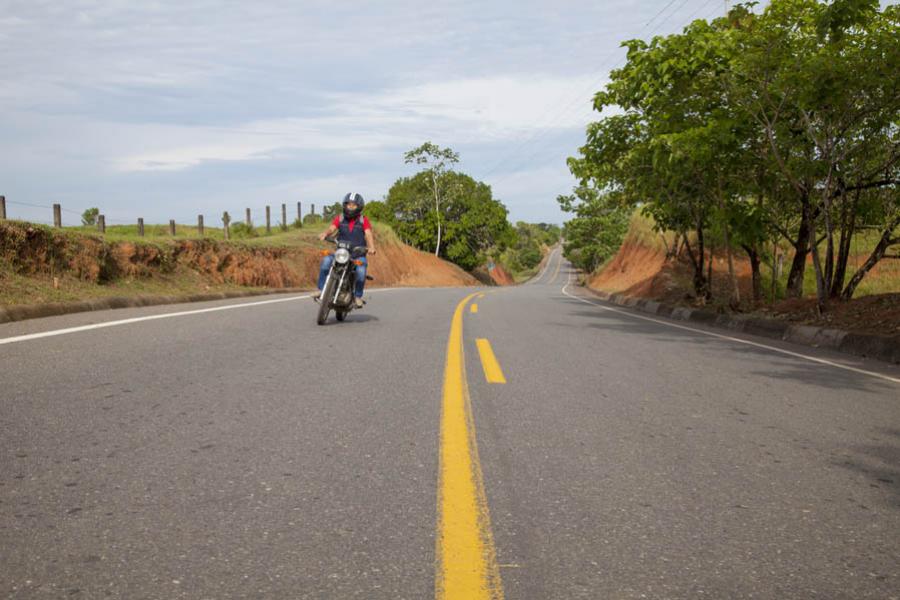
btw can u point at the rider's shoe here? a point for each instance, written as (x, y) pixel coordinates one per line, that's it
(316, 296)
(359, 302)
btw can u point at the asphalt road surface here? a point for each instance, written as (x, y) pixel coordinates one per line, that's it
(541, 445)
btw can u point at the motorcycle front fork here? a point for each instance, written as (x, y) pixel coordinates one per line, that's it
(337, 289)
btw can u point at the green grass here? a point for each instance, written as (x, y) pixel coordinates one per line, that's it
(640, 230)
(50, 286)
(39, 288)
(153, 232)
(278, 238)
(521, 276)
(883, 279)
(16, 288)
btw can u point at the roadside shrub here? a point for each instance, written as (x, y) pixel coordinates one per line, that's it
(530, 257)
(242, 230)
(89, 216)
(312, 219)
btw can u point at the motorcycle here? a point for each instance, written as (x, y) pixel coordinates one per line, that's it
(337, 293)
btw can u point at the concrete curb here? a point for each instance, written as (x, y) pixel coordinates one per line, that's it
(860, 344)
(21, 312)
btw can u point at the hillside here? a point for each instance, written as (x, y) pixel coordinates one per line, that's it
(40, 264)
(641, 268)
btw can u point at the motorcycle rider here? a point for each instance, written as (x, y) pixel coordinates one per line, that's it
(354, 228)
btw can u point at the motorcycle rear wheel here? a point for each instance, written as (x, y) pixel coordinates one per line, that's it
(340, 314)
(325, 301)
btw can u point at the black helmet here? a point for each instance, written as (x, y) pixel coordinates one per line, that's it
(360, 203)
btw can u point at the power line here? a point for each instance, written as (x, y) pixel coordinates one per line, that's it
(567, 110)
(671, 2)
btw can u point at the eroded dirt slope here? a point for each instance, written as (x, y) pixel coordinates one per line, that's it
(641, 269)
(39, 264)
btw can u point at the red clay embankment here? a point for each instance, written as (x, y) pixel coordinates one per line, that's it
(39, 264)
(641, 269)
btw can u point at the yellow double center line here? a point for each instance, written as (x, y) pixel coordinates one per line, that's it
(467, 564)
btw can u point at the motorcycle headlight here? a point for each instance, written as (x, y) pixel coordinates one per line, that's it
(341, 255)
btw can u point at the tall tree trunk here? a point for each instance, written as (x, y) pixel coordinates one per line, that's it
(673, 252)
(848, 229)
(735, 300)
(829, 236)
(756, 275)
(877, 254)
(437, 247)
(697, 261)
(709, 275)
(801, 247)
(775, 269)
(437, 213)
(821, 296)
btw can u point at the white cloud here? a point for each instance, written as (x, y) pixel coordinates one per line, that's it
(149, 98)
(497, 107)
(463, 111)
(530, 194)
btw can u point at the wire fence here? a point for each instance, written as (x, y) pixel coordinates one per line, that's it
(272, 217)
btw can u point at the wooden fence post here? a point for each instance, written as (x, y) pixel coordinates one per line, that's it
(101, 223)
(200, 225)
(248, 221)
(284, 217)
(172, 227)
(57, 215)
(141, 226)
(299, 214)
(2, 207)
(312, 209)
(226, 220)
(268, 219)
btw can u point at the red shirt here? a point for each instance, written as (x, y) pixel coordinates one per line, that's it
(351, 222)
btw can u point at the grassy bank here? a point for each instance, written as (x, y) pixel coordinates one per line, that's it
(41, 264)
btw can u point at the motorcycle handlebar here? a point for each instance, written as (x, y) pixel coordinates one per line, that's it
(356, 251)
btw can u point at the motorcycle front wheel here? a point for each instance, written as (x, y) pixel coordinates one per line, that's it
(325, 301)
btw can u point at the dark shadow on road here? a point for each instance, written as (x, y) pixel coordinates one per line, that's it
(363, 318)
(775, 365)
(880, 463)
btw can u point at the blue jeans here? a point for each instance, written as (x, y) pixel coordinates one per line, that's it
(360, 273)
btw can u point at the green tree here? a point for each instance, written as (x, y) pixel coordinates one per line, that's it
(474, 222)
(89, 216)
(329, 212)
(597, 229)
(377, 210)
(758, 126)
(819, 80)
(438, 163)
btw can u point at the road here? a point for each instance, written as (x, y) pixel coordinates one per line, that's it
(244, 452)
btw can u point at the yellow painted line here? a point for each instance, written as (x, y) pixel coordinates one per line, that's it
(492, 371)
(481, 295)
(473, 308)
(466, 560)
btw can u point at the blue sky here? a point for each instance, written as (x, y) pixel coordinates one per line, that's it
(167, 109)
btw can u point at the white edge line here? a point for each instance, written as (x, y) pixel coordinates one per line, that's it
(55, 332)
(728, 337)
